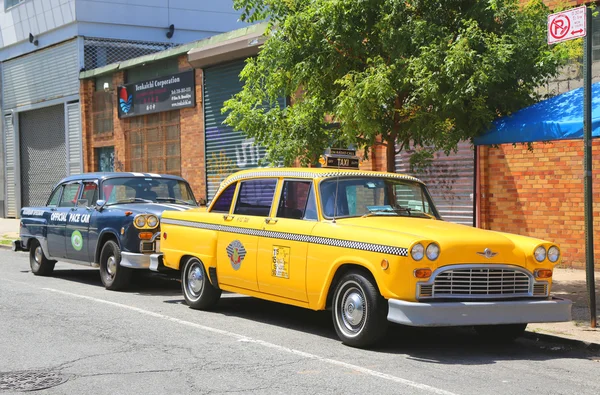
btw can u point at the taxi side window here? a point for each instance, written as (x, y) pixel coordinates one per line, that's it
(53, 201)
(90, 193)
(294, 198)
(223, 202)
(255, 197)
(69, 196)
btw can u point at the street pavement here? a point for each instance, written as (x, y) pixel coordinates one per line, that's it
(78, 337)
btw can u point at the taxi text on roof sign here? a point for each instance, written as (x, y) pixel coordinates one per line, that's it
(340, 158)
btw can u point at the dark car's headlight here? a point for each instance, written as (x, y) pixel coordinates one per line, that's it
(145, 221)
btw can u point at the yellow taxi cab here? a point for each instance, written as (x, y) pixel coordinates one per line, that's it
(369, 246)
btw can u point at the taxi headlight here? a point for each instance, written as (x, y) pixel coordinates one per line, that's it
(139, 221)
(417, 252)
(152, 221)
(433, 251)
(553, 254)
(540, 254)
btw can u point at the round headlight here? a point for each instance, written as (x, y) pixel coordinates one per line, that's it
(553, 254)
(152, 221)
(540, 254)
(433, 251)
(139, 221)
(417, 252)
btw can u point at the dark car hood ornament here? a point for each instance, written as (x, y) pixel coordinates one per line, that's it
(487, 253)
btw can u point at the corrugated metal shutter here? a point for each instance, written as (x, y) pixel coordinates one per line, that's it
(43, 153)
(74, 133)
(10, 170)
(226, 151)
(449, 180)
(43, 75)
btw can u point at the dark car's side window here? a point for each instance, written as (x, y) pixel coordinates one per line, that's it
(294, 197)
(90, 193)
(53, 201)
(255, 197)
(223, 202)
(69, 196)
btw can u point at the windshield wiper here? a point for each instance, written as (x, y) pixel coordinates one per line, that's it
(174, 200)
(131, 200)
(387, 210)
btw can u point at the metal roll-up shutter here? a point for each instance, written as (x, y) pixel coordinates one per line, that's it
(227, 151)
(449, 180)
(10, 159)
(43, 153)
(74, 133)
(45, 74)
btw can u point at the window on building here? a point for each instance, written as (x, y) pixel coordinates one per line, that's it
(154, 143)
(11, 3)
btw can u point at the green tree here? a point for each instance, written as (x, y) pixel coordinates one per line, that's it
(421, 74)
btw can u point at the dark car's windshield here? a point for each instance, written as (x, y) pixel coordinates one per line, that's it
(147, 189)
(366, 196)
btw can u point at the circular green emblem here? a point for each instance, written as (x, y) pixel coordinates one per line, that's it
(77, 240)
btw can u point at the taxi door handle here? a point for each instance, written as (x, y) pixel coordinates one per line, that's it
(228, 217)
(270, 220)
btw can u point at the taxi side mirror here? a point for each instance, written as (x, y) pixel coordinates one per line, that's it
(100, 204)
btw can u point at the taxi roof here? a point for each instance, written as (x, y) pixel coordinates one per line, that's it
(312, 173)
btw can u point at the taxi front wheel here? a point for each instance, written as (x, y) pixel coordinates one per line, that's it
(114, 276)
(40, 265)
(359, 311)
(198, 292)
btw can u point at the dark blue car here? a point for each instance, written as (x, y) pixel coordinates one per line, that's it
(106, 220)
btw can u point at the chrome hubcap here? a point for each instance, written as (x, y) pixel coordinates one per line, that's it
(37, 256)
(111, 266)
(352, 310)
(195, 279)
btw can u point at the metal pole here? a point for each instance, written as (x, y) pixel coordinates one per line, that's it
(587, 154)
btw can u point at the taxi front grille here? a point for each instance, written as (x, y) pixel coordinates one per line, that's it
(481, 283)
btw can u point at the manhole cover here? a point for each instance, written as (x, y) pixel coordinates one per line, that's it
(30, 380)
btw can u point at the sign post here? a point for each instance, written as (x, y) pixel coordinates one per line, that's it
(563, 26)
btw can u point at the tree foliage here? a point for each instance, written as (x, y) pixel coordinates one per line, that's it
(422, 74)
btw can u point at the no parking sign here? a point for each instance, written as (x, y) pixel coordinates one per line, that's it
(566, 25)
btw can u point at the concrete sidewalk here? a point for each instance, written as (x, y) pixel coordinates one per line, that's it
(568, 284)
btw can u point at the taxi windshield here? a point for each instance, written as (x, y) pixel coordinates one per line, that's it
(370, 196)
(147, 190)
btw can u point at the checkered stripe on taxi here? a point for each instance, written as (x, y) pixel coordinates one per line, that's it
(355, 245)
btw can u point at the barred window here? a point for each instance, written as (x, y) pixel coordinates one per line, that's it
(102, 113)
(154, 143)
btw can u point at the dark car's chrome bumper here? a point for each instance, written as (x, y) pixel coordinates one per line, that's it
(135, 260)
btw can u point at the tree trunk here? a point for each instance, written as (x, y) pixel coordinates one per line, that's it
(390, 154)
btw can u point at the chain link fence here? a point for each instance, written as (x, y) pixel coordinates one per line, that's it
(99, 52)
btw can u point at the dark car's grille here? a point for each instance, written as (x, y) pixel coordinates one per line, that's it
(481, 282)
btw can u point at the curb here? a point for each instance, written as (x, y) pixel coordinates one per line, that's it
(563, 340)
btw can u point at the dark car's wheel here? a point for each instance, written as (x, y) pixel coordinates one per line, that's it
(500, 333)
(198, 292)
(359, 311)
(114, 276)
(40, 265)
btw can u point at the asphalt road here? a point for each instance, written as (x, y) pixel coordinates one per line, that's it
(69, 333)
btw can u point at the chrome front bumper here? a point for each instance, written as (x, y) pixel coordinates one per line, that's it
(135, 261)
(479, 313)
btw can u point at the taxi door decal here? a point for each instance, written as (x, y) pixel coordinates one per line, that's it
(281, 262)
(236, 253)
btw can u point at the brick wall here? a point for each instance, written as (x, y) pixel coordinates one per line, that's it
(191, 132)
(539, 193)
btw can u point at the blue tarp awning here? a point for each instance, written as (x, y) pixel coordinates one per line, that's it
(557, 118)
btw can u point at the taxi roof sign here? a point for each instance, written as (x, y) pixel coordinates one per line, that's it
(340, 158)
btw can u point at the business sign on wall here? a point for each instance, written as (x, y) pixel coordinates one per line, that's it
(160, 94)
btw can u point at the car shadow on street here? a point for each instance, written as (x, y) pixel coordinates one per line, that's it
(142, 282)
(455, 346)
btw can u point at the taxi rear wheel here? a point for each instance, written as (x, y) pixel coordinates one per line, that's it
(198, 292)
(359, 311)
(40, 265)
(114, 276)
